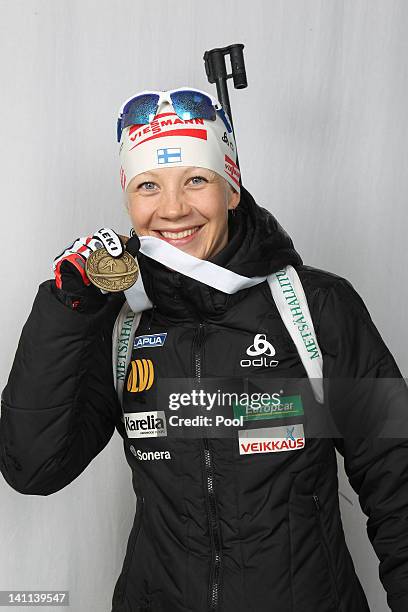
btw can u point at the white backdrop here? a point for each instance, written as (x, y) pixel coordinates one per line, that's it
(322, 142)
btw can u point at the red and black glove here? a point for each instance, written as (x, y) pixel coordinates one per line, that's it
(73, 286)
(69, 266)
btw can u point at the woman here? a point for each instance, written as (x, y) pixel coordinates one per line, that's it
(221, 524)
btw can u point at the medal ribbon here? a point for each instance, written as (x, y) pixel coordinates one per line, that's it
(199, 269)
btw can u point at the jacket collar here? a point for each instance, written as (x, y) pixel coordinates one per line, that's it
(257, 246)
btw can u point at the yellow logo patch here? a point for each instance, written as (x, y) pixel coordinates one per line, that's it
(141, 375)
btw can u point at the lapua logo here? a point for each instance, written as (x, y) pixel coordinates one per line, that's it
(141, 375)
(262, 349)
(150, 340)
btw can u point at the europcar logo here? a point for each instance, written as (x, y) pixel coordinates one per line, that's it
(271, 439)
(262, 349)
(287, 406)
(150, 340)
(141, 375)
(145, 424)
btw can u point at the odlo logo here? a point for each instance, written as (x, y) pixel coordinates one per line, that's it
(141, 375)
(261, 346)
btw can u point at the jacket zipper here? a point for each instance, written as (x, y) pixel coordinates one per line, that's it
(326, 549)
(214, 583)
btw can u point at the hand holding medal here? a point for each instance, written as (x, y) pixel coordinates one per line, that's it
(105, 259)
(108, 271)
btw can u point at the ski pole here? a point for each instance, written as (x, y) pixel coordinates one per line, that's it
(217, 73)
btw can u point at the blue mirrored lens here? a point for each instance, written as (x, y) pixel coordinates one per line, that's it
(140, 110)
(192, 105)
(187, 104)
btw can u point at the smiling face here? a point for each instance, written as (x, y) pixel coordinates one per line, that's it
(185, 206)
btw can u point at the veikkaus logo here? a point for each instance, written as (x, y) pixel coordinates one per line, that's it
(262, 349)
(145, 424)
(271, 439)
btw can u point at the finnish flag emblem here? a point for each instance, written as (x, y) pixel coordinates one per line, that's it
(168, 155)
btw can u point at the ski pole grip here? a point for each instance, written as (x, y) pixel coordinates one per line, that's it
(238, 66)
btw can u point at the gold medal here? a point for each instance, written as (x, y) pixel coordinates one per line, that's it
(111, 273)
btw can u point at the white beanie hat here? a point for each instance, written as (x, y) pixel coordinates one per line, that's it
(170, 141)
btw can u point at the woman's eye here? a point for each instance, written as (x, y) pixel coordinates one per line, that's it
(201, 178)
(146, 183)
(198, 177)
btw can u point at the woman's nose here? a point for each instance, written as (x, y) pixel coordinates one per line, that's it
(173, 206)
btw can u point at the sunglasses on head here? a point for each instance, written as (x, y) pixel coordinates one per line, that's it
(187, 103)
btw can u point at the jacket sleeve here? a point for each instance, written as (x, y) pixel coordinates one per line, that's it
(59, 407)
(368, 400)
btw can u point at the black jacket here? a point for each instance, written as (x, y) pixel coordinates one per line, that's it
(215, 529)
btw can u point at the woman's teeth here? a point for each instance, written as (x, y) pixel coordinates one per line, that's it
(175, 235)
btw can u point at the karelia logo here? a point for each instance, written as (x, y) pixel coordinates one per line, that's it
(141, 375)
(145, 424)
(271, 439)
(262, 349)
(151, 340)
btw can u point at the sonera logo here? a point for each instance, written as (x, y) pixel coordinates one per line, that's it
(141, 375)
(261, 346)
